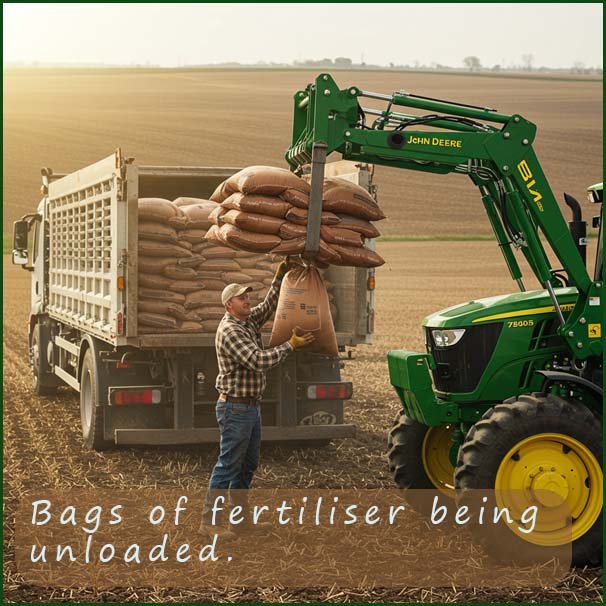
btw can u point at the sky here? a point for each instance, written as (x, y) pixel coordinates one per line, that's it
(169, 35)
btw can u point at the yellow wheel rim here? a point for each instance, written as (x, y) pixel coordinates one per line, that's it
(561, 477)
(436, 459)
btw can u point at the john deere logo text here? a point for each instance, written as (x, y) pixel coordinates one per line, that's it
(530, 183)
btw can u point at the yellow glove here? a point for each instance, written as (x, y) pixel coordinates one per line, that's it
(297, 342)
(283, 268)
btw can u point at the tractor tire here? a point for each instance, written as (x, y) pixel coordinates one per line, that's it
(418, 456)
(91, 412)
(43, 384)
(508, 448)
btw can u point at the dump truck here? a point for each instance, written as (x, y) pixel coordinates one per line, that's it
(508, 396)
(144, 389)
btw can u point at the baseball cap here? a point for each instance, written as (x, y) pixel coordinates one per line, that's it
(233, 290)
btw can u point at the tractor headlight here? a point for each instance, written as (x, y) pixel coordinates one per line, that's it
(446, 338)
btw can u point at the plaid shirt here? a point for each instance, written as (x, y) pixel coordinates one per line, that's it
(242, 360)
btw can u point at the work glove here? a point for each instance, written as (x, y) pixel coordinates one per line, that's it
(284, 266)
(297, 342)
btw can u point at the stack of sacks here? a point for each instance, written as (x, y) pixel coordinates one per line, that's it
(171, 237)
(264, 209)
(181, 274)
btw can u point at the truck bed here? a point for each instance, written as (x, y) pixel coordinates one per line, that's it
(92, 219)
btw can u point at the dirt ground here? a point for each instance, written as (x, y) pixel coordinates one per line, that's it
(67, 119)
(43, 447)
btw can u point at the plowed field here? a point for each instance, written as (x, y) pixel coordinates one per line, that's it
(67, 119)
(42, 442)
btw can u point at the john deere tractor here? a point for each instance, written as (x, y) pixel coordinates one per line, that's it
(508, 394)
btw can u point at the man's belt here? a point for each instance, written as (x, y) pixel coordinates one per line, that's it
(252, 401)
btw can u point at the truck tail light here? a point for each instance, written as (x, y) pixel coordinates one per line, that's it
(370, 283)
(120, 323)
(330, 391)
(126, 397)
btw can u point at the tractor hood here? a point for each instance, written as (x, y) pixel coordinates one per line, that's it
(501, 307)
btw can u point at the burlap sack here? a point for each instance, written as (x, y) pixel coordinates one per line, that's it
(299, 216)
(212, 274)
(214, 237)
(154, 265)
(214, 217)
(261, 224)
(357, 257)
(157, 209)
(197, 214)
(151, 248)
(289, 230)
(240, 277)
(242, 254)
(218, 252)
(263, 205)
(201, 246)
(178, 222)
(201, 298)
(295, 197)
(257, 287)
(193, 236)
(211, 313)
(303, 304)
(257, 274)
(158, 320)
(157, 231)
(186, 286)
(155, 281)
(161, 295)
(337, 235)
(245, 263)
(266, 180)
(192, 261)
(247, 240)
(326, 253)
(163, 308)
(214, 284)
(367, 229)
(222, 192)
(185, 244)
(177, 272)
(188, 326)
(347, 197)
(219, 265)
(193, 316)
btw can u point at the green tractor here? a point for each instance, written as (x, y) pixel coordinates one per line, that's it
(508, 395)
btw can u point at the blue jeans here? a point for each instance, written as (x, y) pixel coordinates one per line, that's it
(240, 429)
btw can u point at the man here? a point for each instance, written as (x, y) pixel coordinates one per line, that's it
(243, 364)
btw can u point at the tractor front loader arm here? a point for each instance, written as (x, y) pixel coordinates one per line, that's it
(493, 149)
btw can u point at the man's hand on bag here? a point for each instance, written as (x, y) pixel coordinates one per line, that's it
(297, 342)
(284, 266)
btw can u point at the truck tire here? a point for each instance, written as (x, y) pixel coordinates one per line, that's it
(419, 455)
(507, 449)
(91, 413)
(44, 385)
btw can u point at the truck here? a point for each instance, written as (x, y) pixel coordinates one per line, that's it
(508, 396)
(145, 389)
